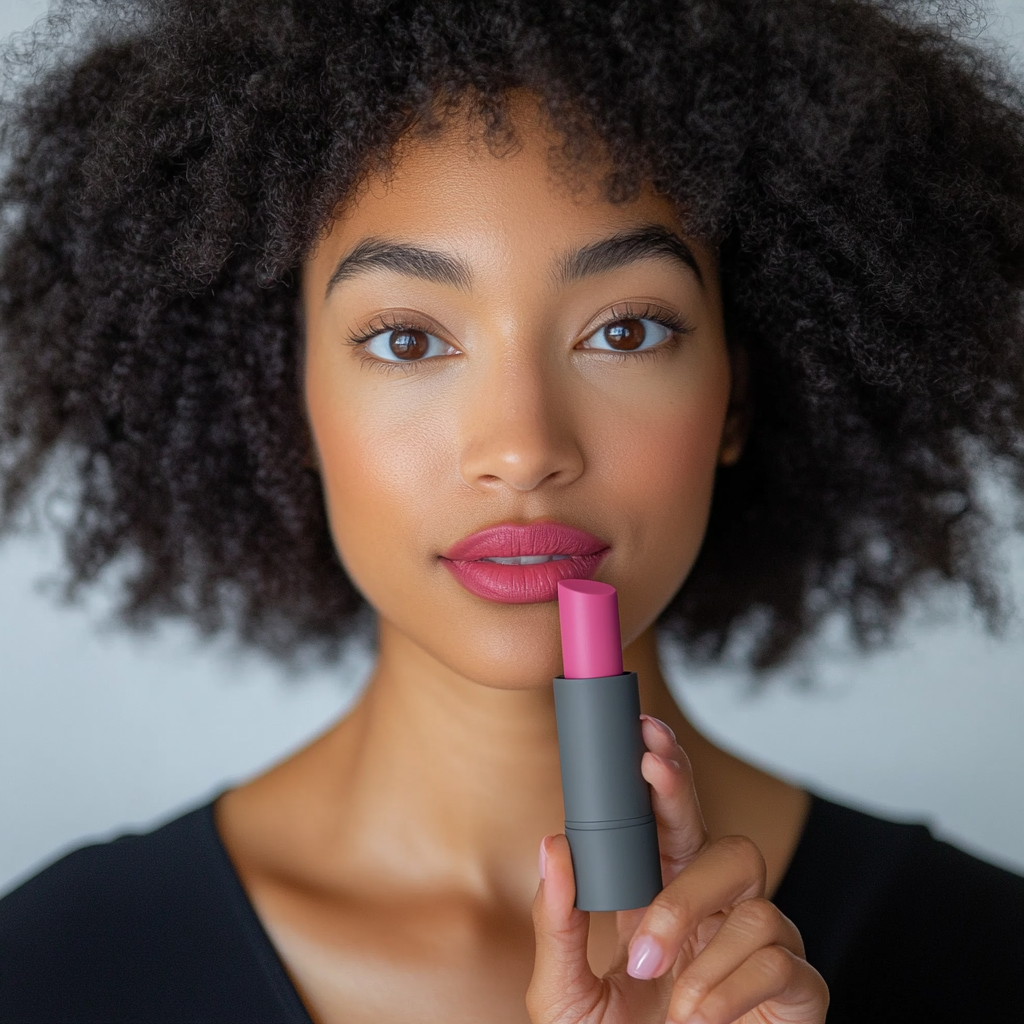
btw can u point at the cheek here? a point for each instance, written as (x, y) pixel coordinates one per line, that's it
(381, 464)
(660, 473)
(667, 453)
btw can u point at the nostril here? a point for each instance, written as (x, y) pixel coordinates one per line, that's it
(520, 463)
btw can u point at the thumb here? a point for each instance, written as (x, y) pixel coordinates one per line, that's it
(563, 988)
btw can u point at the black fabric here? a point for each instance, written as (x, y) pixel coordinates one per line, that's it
(904, 927)
(152, 929)
(156, 929)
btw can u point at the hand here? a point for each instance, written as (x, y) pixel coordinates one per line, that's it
(710, 949)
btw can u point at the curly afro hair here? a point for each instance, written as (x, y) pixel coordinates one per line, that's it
(860, 169)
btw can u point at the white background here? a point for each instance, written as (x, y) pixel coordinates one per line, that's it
(100, 732)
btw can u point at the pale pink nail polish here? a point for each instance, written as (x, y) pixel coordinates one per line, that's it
(660, 726)
(542, 859)
(668, 762)
(644, 958)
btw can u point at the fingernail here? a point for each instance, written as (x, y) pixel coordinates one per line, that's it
(660, 726)
(542, 859)
(674, 765)
(644, 958)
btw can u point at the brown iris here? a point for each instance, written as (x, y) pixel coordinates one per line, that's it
(409, 344)
(625, 335)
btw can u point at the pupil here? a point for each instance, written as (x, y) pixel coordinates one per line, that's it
(408, 344)
(625, 335)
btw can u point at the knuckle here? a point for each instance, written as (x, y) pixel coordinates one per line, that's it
(820, 987)
(690, 988)
(755, 917)
(776, 963)
(715, 1006)
(543, 1007)
(533, 1007)
(536, 1004)
(747, 853)
(671, 912)
(793, 940)
(811, 982)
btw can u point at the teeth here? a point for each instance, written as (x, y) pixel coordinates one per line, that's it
(527, 559)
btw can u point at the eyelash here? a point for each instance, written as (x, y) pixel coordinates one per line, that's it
(378, 326)
(673, 322)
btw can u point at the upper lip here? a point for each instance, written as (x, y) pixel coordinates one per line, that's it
(511, 540)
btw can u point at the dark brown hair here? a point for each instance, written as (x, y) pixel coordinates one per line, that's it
(862, 173)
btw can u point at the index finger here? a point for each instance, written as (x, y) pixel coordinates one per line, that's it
(681, 830)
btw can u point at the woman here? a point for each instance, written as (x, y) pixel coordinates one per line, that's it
(427, 306)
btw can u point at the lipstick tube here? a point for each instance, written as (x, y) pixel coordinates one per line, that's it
(609, 822)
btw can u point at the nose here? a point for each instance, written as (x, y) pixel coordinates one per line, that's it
(518, 433)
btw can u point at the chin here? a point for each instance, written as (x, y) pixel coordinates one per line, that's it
(507, 659)
(518, 668)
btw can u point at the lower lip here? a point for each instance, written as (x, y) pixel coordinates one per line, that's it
(522, 584)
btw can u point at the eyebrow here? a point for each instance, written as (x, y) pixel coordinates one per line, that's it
(401, 258)
(645, 243)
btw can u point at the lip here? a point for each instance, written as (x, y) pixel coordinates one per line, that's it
(580, 555)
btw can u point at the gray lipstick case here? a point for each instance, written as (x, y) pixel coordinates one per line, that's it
(608, 818)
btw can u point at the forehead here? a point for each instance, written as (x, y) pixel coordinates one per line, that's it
(451, 189)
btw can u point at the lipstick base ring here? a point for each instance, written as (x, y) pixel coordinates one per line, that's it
(598, 857)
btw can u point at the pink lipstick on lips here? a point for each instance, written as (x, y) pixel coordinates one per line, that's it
(517, 563)
(609, 822)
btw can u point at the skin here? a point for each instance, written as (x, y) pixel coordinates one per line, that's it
(394, 861)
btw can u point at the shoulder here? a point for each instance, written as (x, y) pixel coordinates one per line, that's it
(148, 927)
(902, 925)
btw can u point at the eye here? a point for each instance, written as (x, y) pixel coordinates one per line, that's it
(628, 335)
(406, 345)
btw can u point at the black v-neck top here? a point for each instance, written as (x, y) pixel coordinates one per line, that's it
(157, 929)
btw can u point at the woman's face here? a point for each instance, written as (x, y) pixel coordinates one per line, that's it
(488, 346)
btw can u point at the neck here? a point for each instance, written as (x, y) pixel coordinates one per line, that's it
(436, 782)
(467, 775)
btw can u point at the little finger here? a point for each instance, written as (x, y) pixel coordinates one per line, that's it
(782, 987)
